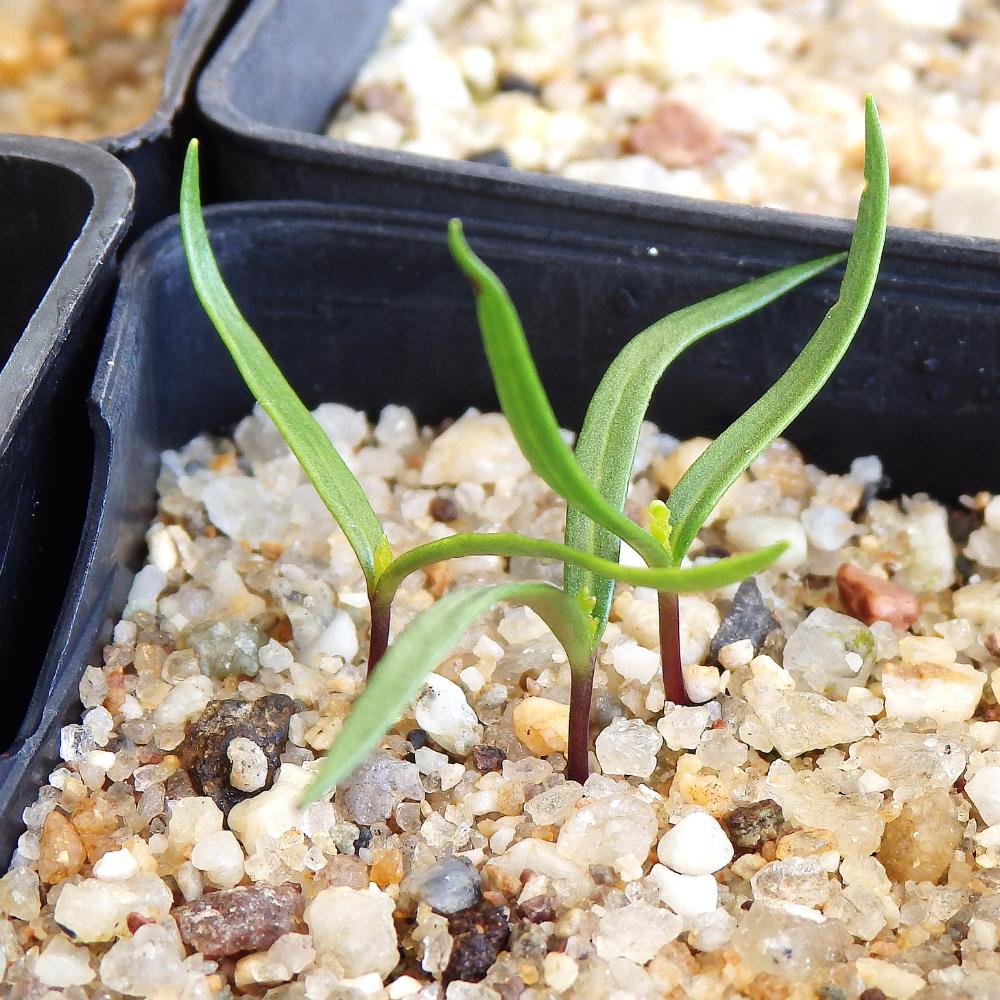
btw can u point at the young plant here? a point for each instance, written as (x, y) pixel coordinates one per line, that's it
(594, 480)
(346, 501)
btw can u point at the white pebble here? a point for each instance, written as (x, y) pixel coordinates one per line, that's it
(220, 857)
(628, 746)
(62, 964)
(355, 929)
(635, 662)
(249, 765)
(697, 845)
(442, 710)
(686, 895)
(115, 866)
(755, 531)
(983, 788)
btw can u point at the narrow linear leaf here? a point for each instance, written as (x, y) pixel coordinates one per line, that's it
(334, 482)
(704, 484)
(420, 647)
(605, 449)
(526, 406)
(687, 579)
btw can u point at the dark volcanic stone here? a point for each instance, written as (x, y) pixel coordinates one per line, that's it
(748, 618)
(749, 826)
(247, 918)
(203, 751)
(486, 758)
(480, 933)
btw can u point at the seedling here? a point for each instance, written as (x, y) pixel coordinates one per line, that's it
(567, 616)
(591, 484)
(595, 479)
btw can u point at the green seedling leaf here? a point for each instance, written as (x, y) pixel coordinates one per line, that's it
(704, 484)
(672, 579)
(334, 482)
(421, 646)
(526, 406)
(605, 449)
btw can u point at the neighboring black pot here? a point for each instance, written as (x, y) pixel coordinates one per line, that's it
(154, 150)
(365, 307)
(66, 208)
(268, 93)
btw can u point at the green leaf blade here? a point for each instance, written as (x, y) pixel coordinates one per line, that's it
(671, 579)
(526, 405)
(420, 647)
(334, 482)
(704, 484)
(605, 449)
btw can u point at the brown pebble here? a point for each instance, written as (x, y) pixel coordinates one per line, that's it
(480, 933)
(537, 910)
(96, 819)
(62, 851)
(438, 577)
(203, 751)
(920, 843)
(751, 826)
(675, 136)
(247, 918)
(870, 599)
(486, 758)
(443, 509)
(873, 993)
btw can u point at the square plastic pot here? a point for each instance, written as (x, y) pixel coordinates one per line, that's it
(268, 92)
(68, 206)
(365, 307)
(154, 150)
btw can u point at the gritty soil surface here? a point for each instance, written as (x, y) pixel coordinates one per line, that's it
(824, 823)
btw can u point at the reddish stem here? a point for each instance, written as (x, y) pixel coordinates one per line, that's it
(670, 649)
(577, 756)
(378, 640)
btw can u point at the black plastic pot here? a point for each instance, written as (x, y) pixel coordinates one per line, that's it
(154, 150)
(365, 307)
(67, 207)
(268, 93)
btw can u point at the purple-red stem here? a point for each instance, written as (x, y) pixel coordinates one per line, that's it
(577, 756)
(670, 649)
(378, 641)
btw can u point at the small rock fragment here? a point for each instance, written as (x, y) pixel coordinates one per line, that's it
(479, 934)
(635, 932)
(983, 788)
(920, 843)
(798, 721)
(442, 710)
(245, 918)
(747, 618)
(447, 886)
(682, 725)
(274, 812)
(355, 928)
(148, 964)
(754, 531)
(697, 845)
(536, 910)
(220, 857)
(869, 598)
(609, 829)
(62, 851)
(788, 943)
(227, 648)
(628, 746)
(19, 894)
(931, 690)
(542, 725)
(675, 136)
(476, 448)
(831, 652)
(204, 753)
(379, 784)
(249, 765)
(750, 826)
(487, 758)
(686, 895)
(93, 910)
(62, 964)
